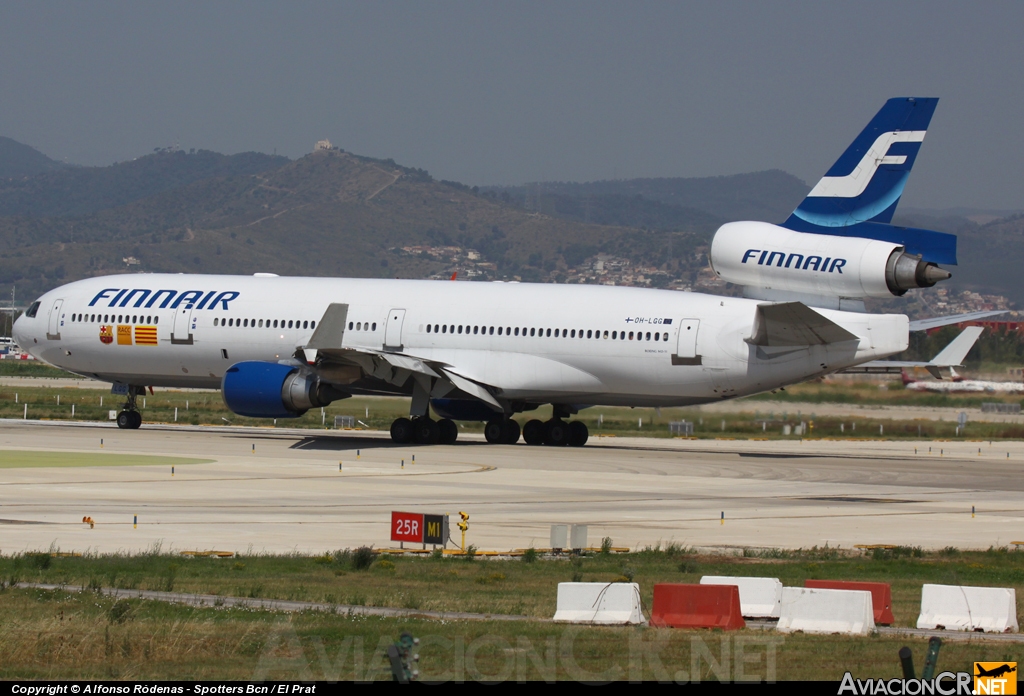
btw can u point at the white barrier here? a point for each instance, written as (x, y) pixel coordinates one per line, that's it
(812, 610)
(759, 597)
(959, 608)
(599, 603)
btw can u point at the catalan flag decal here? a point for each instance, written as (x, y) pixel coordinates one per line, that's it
(145, 335)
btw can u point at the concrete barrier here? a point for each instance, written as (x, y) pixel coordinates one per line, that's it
(599, 603)
(826, 611)
(961, 608)
(759, 597)
(881, 595)
(697, 606)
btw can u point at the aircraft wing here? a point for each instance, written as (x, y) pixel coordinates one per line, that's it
(795, 324)
(936, 322)
(432, 376)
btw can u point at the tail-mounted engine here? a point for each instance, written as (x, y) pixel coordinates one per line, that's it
(761, 256)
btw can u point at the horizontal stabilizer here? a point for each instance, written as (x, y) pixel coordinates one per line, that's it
(937, 322)
(795, 324)
(954, 354)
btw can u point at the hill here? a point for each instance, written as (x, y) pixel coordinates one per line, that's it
(85, 190)
(18, 160)
(329, 213)
(770, 196)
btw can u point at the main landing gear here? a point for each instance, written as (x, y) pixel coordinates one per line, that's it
(424, 431)
(502, 431)
(556, 433)
(130, 418)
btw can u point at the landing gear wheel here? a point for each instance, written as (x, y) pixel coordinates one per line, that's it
(578, 434)
(556, 433)
(494, 431)
(401, 431)
(533, 432)
(136, 420)
(425, 431)
(449, 432)
(125, 420)
(511, 435)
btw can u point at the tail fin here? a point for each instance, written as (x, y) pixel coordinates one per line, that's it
(865, 184)
(859, 194)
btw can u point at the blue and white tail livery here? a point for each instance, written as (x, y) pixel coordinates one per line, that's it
(859, 194)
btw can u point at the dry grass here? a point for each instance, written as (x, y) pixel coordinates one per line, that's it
(59, 635)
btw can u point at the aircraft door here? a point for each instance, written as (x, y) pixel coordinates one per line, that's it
(184, 324)
(686, 343)
(393, 330)
(56, 321)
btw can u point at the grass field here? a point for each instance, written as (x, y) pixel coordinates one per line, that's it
(56, 634)
(207, 408)
(30, 459)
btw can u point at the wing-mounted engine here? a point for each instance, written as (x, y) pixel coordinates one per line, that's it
(275, 390)
(776, 263)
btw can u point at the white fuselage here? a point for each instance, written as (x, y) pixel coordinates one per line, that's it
(569, 344)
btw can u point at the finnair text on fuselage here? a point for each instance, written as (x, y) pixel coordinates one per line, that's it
(143, 298)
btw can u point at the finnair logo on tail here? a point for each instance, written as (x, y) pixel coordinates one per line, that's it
(855, 183)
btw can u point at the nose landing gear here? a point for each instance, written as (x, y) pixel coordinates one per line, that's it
(129, 418)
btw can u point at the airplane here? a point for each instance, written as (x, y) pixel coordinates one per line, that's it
(279, 346)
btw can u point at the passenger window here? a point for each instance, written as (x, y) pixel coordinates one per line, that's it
(631, 335)
(588, 333)
(261, 323)
(374, 327)
(606, 334)
(312, 324)
(444, 329)
(491, 331)
(657, 336)
(549, 333)
(614, 335)
(517, 331)
(305, 324)
(460, 328)
(476, 330)
(664, 337)
(573, 333)
(428, 328)
(648, 335)
(533, 332)
(215, 321)
(156, 320)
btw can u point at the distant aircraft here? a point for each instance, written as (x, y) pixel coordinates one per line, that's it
(961, 385)
(278, 347)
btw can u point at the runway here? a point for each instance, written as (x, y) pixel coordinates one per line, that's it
(278, 490)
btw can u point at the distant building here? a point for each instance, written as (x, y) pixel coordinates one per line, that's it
(323, 145)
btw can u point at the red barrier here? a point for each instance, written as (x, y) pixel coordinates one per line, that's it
(881, 595)
(697, 606)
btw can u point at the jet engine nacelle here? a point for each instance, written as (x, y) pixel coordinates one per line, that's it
(272, 390)
(765, 256)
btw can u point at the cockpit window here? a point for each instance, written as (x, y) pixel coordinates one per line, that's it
(31, 311)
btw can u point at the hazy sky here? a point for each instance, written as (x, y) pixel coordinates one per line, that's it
(510, 92)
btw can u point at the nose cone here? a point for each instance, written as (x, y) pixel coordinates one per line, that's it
(19, 332)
